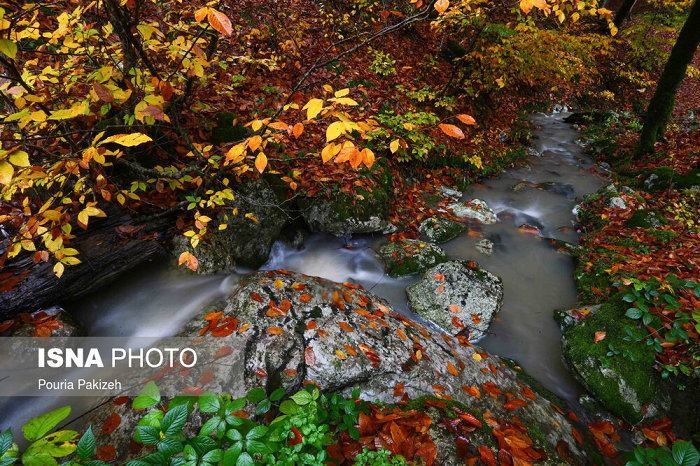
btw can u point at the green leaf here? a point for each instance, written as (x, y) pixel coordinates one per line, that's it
(202, 445)
(209, 403)
(8, 47)
(38, 459)
(685, 454)
(256, 447)
(5, 442)
(86, 445)
(289, 407)
(245, 460)
(633, 313)
(58, 444)
(38, 427)
(214, 456)
(302, 398)
(170, 447)
(256, 433)
(231, 456)
(174, 420)
(263, 407)
(148, 435)
(277, 394)
(256, 395)
(149, 396)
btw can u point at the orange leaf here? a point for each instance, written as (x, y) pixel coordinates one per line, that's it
(106, 453)
(310, 325)
(219, 21)
(298, 129)
(452, 369)
(398, 389)
(466, 119)
(261, 162)
(345, 327)
(111, 423)
(599, 336)
(451, 130)
(401, 334)
(213, 315)
(442, 5)
(275, 331)
(340, 354)
(305, 298)
(454, 308)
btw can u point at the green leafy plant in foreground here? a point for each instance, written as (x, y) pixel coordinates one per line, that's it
(681, 454)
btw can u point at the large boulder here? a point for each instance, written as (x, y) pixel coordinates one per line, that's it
(254, 220)
(366, 212)
(440, 230)
(617, 372)
(410, 257)
(294, 328)
(475, 209)
(459, 296)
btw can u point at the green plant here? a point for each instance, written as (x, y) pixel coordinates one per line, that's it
(382, 63)
(381, 457)
(681, 454)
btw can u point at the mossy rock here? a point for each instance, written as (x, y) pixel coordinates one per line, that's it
(661, 178)
(646, 218)
(624, 383)
(440, 230)
(366, 212)
(410, 257)
(225, 130)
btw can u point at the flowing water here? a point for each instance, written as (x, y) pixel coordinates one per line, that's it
(157, 301)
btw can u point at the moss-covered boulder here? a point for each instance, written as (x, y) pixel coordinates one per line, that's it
(410, 257)
(567, 318)
(253, 220)
(617, 372)
(227, 128)
(475, 209)
(342, 214)
(459, 296)
(440, 230)
(661, 178)
(646, 218)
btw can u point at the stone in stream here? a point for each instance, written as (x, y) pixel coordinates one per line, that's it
(244, 242)
(440, 230)
(475, 209)
(484, 246)
(343, 337)
(459, 296)
(367, 212)
(410, 257)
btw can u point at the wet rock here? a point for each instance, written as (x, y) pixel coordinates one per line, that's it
(246, 241)
(53, 321)
(410, 257)
(484, 246)
(459, 296)
(617, 372)
(356, 341)
(367, 212)
(557, 188)
(567, 318)
(450, 193)
(475, 209)
(528, 229)
(440, 230)
(646, 218)
(564, 247)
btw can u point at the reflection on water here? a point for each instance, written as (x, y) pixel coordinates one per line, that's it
(157, 301)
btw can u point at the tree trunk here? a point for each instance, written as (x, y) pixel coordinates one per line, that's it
(661, 105)
(623, 12)
(108, 249)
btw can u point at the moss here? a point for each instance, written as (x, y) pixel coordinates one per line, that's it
(623, 382)
(661, 178)
(646, 218)
(441, 230)
(410, 257)
(225, 130)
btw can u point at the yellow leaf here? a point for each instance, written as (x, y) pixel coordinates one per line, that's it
(254, 142)
(466, 119)
(19, 159)
(313, 107)
(129, 140)
(368, 157)
(235, 153)
(256, 125)
(526, 6)
(476, 357)
(70, 260)
(261, 162)
(334, 130)
(83, 218)
(451, 130)
(394, 146)
(342, 93)
(53, 215)
(279, 284)
(220, 22)
(8, 47)
(58, 269)
(340, 354)
(329, 151)
(442, 5)
(6, 172)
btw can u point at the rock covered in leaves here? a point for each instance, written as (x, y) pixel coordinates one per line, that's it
(410, 257)
(459, 296)
(440, 230)
(50, 322)
(475, 209)
(367, 212)
(290, 328)
(253, 221)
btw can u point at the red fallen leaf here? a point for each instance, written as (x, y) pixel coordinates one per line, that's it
(563, 450)
(573, 417)
(290, 372)
(470, 419)
(285, 305)
(462, 447)
(350, 350)
(527, 392)
(111, 423)
(106, 453)
(305, 298)
(514, 403)
(576, 435)
(473, 391)
(256, 297)
(309, 357)
(476, 319)
(221, 332)
(195, 391)
(322, 333)
(310, 325)
(492, 389)
(456, 322)
(398, 389)
(223, 351)
(298, 286)
(662, 425)
(6, 325)
(487, 456)
(345, 327)
(214, 315)
(206, 377)
(120, 400)
(260, 373)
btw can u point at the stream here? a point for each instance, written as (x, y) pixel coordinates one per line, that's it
(157, 301)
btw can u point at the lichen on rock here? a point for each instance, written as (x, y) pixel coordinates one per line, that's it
(440, 230)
